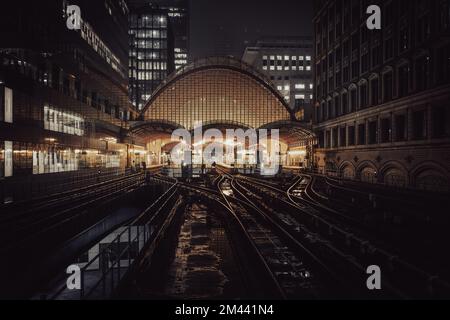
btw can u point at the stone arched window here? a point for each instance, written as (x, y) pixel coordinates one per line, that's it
(368, 174)
(431, 179)
(347, 171)
(395, 177)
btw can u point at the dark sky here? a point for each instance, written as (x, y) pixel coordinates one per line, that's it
(225, 27)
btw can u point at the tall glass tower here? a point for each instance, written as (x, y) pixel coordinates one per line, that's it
(151, 52)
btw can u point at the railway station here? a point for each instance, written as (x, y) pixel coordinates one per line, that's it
(162, 229)
(220, 94)
(215, 185)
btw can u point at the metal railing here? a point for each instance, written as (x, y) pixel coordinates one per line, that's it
(396, 182)
(103, 273)
(110, 259)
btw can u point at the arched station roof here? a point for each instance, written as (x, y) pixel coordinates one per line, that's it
(217, 90)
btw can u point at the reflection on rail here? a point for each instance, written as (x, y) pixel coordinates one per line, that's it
(351, 237)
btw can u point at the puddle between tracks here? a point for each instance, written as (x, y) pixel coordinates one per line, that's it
(196, 271)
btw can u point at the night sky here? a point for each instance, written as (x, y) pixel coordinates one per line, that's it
(226, 27)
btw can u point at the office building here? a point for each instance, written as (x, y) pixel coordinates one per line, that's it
(159, 44)
(381, 111)
(287, 62)
(63, 91)
(178, 13)
(151, 52)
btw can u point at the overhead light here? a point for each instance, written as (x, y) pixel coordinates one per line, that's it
(198, 143)
(109, 139)
(297, 152)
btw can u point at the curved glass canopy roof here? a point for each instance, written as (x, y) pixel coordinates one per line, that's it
(217, 90)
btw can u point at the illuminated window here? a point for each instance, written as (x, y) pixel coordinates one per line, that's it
(300, 115)
(62, 121)
(300, 86)
(8, 102)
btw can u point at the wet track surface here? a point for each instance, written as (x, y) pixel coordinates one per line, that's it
(202, 266)
(233, 236)
(197, 260)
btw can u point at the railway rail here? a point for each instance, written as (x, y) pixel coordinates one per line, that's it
(299, 271)
(345, 233)
(258, 277)
(18, 228)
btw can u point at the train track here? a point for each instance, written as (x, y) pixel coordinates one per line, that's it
(23, 227)
(303, 247)
(351, 240)
(258, 279)
(299, 272)
(302, 200)
(208, 262)
(16, 211)
(404, 196)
